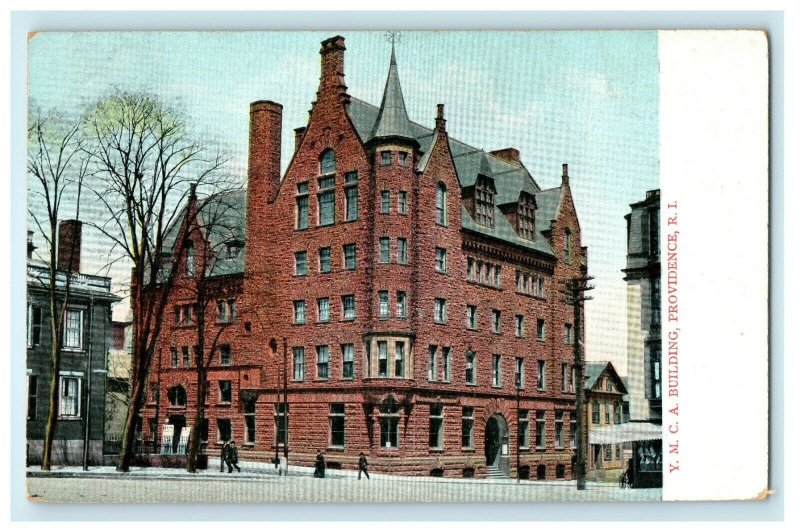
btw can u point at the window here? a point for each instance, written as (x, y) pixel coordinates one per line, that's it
(225, 355)
(249, 421)
(383, 355)
(323, 309)
(573, 428)
(322, 361)
(484, 201)
(336, 424)
(281, 423)
(384, 250)
(525, 216)
(470, 269)
(326, 201)
(299, 312)
(389, 414)
(519, 373)
(559, 439)
(403, 158)
(472, 317)
(184, 315)
(541, 436)
(233, 248)
(519, 325)
(467, 422)
(609, 385)
(440, 310)
(436, 429)
(383, 304)
(386, 201)
(399, 359)
(469, 376)
(655, 301)
(223, 430)
(653, 222)
(441, 204)
(496, 371)
(568, 333)
(607, 453)
(433, 364)
(617, 414)
(174, 357)
(595, 413)
(301, 201)
(190, 259)
(300, 263)
(607, 409)
(402, 251)
(225, 392)
(186, 360)
(495, 321)
(351, 196)
(446, 369)
(349, 256)
(497, 276)
(226, 310)
(33, 390)
(386, 158)
(73, 329)
(176, 396)
(324, 260)
(523, 432)
(34, 325)
(401, 305)
(349, 307)
(441, 260)
(656, 377)
(348, 356)
(567, 246)
(564, 375)
(299, 363)
(402, 202)
(327, 162)
(540, 329)
(541, 383)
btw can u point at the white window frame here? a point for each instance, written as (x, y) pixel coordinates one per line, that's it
(66, 346)
(62, 377)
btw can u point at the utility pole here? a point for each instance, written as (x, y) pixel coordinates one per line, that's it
(273, 345)
(518, 381)
(575, 291)
(285, 408)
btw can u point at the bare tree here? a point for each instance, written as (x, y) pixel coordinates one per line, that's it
(143, 162)
(57, 164)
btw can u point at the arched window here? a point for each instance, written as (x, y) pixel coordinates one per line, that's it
(190, 259)
(327, 162)
(177, 396)
(441, 204)
(568, 246)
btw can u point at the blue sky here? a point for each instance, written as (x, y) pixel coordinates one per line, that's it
(587, 98)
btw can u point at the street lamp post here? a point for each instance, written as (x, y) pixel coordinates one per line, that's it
(285, 407)
(273, 345)
(519, 385)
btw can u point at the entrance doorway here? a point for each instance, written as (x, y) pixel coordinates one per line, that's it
(496, 442)
(179, 422)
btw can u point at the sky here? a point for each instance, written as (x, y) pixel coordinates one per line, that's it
(587, 98)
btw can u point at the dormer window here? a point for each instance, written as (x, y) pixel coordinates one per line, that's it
(484, 201)
(525, 217)
(234, 247)
(327, 163)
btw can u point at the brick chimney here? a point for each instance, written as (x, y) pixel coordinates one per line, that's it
(331, 81)
(440, 121)
(69, 246)
(508, 154)
(565, 174)
(298, 136)
(264, 171)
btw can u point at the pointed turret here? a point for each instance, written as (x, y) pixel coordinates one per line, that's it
(392, 121)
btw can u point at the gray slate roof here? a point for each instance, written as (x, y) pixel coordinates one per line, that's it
(392, 118)
(595, 369)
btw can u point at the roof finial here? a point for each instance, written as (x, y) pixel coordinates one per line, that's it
(393, 37)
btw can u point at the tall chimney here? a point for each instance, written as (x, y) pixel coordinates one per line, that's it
(69, 246)
(440, 121)
(264, 172)
(565, 174)
(298, 136)
(331, 82)
(508, 154)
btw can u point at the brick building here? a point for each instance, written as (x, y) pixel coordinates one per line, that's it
(400, 281)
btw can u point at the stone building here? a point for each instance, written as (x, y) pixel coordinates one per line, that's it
(395, 282)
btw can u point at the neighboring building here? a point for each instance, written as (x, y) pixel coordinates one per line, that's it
(400, 281)
(604, 409)
(87, 334)
(119, 371)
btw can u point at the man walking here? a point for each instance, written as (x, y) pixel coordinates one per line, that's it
(223, 456)
(362, 465)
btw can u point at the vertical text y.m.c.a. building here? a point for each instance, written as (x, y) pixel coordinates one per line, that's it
(403, 288)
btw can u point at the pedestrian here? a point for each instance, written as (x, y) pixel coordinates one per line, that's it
(223, 456)
(362, 465)
(233, 457)
(319, 466)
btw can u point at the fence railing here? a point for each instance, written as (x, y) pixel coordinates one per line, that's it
(113, 443)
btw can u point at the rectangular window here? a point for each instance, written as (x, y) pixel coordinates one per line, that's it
(519, 327)
(441, 260)
(469, 376)
(326, 200)
(389, 415)
(348, 356)
(399, 359)
(223, 430)
(436, 431)
(495, 321)
(34, 325)
(386, 158)
(541, 436)
(433, 365)
(174, 357)
(559, 437)
(336, 424)
(323, 309)
(225, 355)
(470, 269)
(73, 329)
(249, 422)
(386, 201)
(324, 260)
(519, 373)
(564, 375)
(300, 263)
(351, 203)
(402, 202)
(573, 428)
(402, 251)
(299, 363)
(322, 361)
(226, 310)
(472, 317)
(350, 178)
(607, 453)
(467, 422)
(523, 434)
(497, 276)
(496, 371)
(281, 423)
(302, 211)
(33, 391)
(402, 304)
(568, 333)
(69, 404)
(541, 383)
(440, 310)
(383, 304)
(349, 256)
(595, 413)
(299, 312)
(186, 360)
(607, 409)
(225, 392)
(383, 355)
(446, 369)
(540, 329)
(349, 307)
(403, 158)
(385, 250)
(617, 413)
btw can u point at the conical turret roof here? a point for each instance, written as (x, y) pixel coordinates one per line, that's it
(392, 118)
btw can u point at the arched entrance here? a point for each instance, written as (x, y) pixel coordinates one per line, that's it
(496, 442)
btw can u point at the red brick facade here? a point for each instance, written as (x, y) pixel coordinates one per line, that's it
(375, 398)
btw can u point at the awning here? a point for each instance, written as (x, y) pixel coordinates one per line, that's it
(625, 432)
